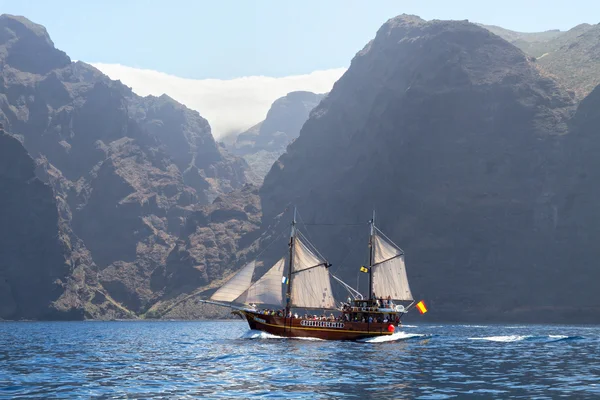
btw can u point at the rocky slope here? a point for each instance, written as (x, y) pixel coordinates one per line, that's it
(532, 43)
(45, 272)
(215, 240)
(262, 144)
(572, 56)
(125, 170)
(463, 147)
(575, 59)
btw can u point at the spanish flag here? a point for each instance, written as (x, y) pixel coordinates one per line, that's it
(421, 307)
(364, 269)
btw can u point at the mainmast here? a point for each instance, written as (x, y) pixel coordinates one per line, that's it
(288, 295)
(371, 256)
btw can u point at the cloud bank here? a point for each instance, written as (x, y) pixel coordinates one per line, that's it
(230, 106)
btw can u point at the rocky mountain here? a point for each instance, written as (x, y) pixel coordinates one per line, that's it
(262, 144)
(125, 170)
(473, 163)
(478, 161)
(572, 56)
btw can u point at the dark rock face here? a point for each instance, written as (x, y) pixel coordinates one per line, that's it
(187, 139)
(125, 170)
(29, 281)
(262, 144)
(27, 47)
(215, 239)
(463, 148)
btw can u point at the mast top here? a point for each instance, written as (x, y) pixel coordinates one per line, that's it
(293, 233)
(373, 224)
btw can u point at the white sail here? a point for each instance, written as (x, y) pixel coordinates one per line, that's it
(267, 290)
(311, 287)
(388, 271)
(237, 285)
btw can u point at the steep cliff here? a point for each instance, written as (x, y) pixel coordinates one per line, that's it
(29, 281)
(45, 272)
(215, 240)
(262, 144)
(125, 170)
(457, 140)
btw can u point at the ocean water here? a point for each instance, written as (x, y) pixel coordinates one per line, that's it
(227, 360)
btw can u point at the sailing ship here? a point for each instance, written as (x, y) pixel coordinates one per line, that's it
(303, 274)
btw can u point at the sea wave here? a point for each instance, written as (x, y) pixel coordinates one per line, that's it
(254, 334)
(529, 338)
(507, 338)
(395, 337)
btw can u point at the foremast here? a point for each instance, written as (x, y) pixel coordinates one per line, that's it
(288, 293)
(372, 226)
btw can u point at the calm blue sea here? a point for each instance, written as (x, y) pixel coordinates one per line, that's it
(226, 360)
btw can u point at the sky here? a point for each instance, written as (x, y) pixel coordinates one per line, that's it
(227, 41)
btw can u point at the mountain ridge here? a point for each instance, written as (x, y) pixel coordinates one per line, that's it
(263, 143)
(572, 56)
(125, 171)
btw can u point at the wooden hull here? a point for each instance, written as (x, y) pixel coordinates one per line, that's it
(327, 330)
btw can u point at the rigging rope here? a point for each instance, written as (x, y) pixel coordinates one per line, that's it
(315, 224)
(389, 240)
(270, 244)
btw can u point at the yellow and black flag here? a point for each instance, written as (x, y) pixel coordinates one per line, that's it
(364, 269)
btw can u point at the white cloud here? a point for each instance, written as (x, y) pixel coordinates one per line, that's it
(230, 106)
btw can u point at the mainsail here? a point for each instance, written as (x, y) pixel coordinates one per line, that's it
(388, 271)
(237, 285)
(267, 290)
(311, 286)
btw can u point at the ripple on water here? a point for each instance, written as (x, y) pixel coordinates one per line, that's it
(227, 360)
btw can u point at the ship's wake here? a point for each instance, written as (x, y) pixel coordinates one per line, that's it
(528, 338)
(255, 334)
(395, 337)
